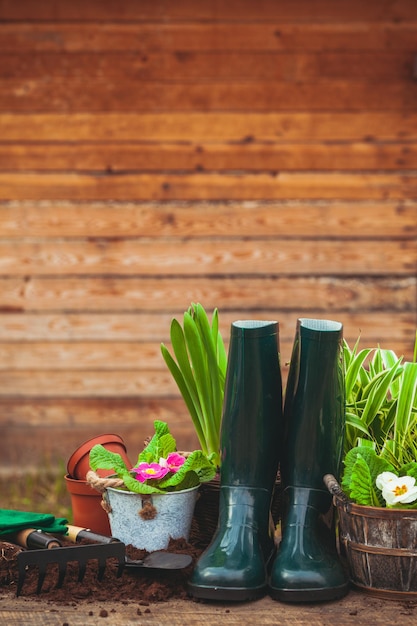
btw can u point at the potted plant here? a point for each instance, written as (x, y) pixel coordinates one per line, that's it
(198, 366)
(153, 501)
(377, 498)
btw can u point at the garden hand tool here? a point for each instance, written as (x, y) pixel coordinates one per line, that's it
(234, 566)
(44, 548)
(307, 567)
(158, 560)
(54, 552)
(36, 531)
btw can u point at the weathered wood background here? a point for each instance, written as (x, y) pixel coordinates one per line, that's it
(260, 157)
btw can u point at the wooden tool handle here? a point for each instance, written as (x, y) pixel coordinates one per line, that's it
(35, 539)
(78, 533)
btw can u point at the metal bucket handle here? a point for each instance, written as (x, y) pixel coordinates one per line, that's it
(335, 489)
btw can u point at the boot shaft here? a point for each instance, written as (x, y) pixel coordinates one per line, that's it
(252, 415)
(314, 410)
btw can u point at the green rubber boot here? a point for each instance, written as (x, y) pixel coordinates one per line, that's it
(307, 567)
(234, 565)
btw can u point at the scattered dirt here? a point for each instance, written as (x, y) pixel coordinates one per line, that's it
(135, 585)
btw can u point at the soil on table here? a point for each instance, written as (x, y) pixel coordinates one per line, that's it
(134, 585)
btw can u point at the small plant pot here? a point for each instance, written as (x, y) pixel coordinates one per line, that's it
(149, 522)
(79, 463)
(87, 511)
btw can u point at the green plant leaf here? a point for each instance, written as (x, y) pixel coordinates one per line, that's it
(198, 366)
(190, 399)
(389, 359)
(101, 458)
(161, 444)
(375, 464)
(409, 469)
(362, 490)
(353, 370)
(197, 463)
(199, 363)
(198, 467)
(211, 363)
(377, 396)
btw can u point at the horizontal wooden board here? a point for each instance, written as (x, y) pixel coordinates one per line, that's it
(89, 358)
(327, 294)
(92, 413)
(197, 126)
(208, 186)
(132, 383)
(240, 65)
(210, 10)
(58, 94)
(91, 383)
(287, 219)
(214, 36)
(50, 429)
(103, 355)
(250, 156)
(153, 326)
(214, 257)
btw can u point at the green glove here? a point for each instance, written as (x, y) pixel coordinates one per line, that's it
(12, 521)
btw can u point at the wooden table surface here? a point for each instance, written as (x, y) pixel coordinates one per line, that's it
(356, 608)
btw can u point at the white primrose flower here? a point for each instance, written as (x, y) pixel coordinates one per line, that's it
(397, 489)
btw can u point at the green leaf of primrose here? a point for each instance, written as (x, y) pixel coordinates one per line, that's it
(197, 467)
(196, 462)
(161, 444)
(376, 465)
(362, 487)
(101, 458)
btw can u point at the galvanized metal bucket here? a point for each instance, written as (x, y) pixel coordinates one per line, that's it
(380, 546)
(149, 522)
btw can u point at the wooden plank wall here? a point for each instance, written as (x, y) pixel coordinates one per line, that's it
(260, 157)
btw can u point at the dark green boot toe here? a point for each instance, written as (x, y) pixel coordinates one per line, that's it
(234, 565)
(307, 568)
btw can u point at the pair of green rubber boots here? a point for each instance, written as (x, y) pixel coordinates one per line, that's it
(305, 440)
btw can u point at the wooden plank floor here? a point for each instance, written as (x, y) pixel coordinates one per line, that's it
(356, 608)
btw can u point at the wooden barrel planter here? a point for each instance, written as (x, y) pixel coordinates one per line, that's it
(380, 546)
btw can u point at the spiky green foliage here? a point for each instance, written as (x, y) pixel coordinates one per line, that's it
(198, 366)
(381, 403)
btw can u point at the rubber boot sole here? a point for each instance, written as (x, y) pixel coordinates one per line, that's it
(309, 595)
(228, 594)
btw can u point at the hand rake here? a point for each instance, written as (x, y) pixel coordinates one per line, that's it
(44, 549)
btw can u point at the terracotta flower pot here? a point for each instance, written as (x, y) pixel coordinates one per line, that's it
(86, 506)
(79, 464)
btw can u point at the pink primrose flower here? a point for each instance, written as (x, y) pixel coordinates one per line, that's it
(175, 461)
(149, 470)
